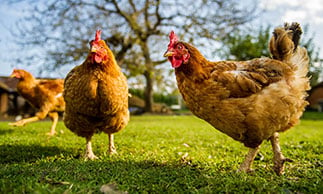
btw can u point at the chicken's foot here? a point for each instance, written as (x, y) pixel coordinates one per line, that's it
(112, 148)
(24, 121)
(278, 158)
(54, 118)
(247, 163)
(88, 152)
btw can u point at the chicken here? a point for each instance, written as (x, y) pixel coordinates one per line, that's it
(45, 95)
(96, 96)
(250, 101)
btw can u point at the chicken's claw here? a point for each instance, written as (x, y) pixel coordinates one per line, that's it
(279, 165)
(112, 149)
(17, 124)
(245, 170)
(51, 133)
(113, 152)
(89, 156)
(247, 163)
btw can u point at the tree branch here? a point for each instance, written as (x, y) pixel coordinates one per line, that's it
(133, 5)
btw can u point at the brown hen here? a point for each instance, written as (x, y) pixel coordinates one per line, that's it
(96, 96)
(250, 101)
(44, 95)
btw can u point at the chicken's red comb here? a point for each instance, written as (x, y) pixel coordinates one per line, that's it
(173, 39)
(98, 35)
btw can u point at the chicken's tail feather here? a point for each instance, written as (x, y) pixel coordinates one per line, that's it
(284, 46)
(296, 32)
(301, 60)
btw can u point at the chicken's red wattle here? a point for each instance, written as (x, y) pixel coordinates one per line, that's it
(97, 58)
(175, 62)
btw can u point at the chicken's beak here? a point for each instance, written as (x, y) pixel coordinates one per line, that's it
(93, 50)
(168, 54)
(12, 75)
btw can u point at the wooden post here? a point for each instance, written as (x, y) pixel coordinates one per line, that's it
(3, 103)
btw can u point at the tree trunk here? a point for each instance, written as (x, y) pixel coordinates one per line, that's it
(148, 92)
(148, 73)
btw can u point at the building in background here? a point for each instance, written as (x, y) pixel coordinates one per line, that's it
(11, 103)
(315, 97)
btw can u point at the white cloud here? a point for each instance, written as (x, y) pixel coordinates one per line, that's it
(304, 11)
(274, 4)
(314, 5)
(297, 15)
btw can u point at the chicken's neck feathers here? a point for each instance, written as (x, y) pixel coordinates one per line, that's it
(194, 69)
(28, 83)
(27, 89)
(108, 66)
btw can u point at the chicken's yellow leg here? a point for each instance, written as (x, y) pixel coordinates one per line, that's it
(54, 118)
(88, 152)
(247, 163)
(24, 121)
(278, 159)
(112, 149)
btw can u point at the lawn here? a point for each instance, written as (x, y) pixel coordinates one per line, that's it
(156, 154)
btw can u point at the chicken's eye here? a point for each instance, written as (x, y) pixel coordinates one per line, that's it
(179, 47)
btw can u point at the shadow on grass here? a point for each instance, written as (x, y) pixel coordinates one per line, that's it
(145, 176)
(148, 177)
(131, 176)
(28, 153)
(6, 131)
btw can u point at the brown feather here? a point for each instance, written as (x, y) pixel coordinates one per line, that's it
(247, 100)
(96, 97)
(41, 94)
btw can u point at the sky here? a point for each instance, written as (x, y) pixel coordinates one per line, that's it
(276, 13)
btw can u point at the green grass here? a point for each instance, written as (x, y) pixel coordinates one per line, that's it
(157, 154)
